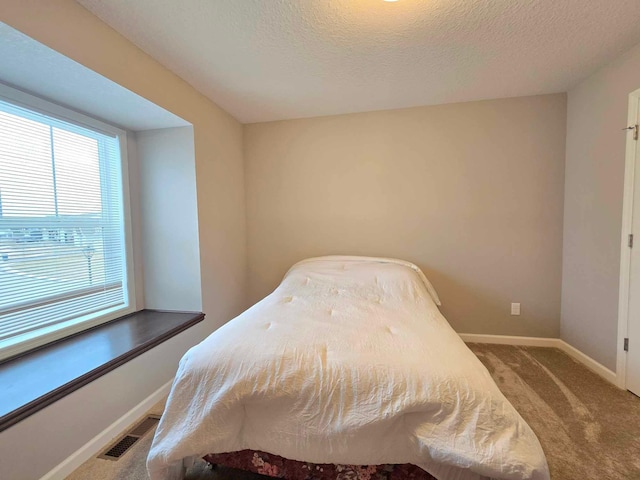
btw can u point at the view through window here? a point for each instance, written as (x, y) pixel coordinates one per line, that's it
(62, 253)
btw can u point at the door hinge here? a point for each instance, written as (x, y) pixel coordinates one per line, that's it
(635, 130)
(626, 344)
(631, 240)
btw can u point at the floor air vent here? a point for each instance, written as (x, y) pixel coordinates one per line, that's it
(129, 439)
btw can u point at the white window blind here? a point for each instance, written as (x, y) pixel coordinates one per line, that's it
(62, 243)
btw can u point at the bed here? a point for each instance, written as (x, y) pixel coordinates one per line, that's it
(349, 362)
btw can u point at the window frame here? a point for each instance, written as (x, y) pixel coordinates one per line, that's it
(33, 339)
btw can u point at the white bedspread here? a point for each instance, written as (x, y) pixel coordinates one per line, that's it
(348, 361)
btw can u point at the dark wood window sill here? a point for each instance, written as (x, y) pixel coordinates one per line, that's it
(32, 380)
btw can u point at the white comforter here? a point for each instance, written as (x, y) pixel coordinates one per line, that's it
(348, 361)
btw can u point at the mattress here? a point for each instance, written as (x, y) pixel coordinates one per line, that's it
(348, 361)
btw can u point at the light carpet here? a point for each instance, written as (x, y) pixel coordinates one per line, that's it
(589, 429)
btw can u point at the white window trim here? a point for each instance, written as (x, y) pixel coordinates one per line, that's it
(31, 340)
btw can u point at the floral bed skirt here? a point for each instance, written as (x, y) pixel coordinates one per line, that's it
(279, 467)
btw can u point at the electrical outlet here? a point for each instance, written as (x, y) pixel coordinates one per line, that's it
(515, 309)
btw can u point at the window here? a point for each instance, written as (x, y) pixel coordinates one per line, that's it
(63, 238)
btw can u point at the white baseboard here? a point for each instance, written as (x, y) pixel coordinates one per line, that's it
(573, 352)
(510, 340)
(100, 441)
(589, 362)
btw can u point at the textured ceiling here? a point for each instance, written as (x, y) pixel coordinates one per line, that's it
(266, 60)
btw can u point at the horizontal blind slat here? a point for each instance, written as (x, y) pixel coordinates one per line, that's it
(62, 249)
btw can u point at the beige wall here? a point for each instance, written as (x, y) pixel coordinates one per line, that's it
(472, 193)
(168, 219)
(597, 111)
(33, 447)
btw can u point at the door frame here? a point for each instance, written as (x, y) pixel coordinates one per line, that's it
(625, 252)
